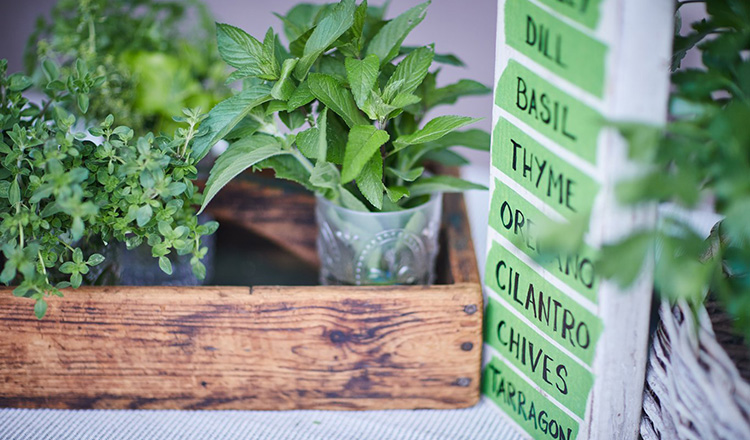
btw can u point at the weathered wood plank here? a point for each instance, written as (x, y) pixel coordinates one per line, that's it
(268, 348)
(272, 210)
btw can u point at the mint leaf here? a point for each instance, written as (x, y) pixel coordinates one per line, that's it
(476, 139)
(240, 156)
(445, 184)
(387, 42)
(336, 97)
(364, 141)
(226, 115)
(307, 142)
(446, 157)
(301, 96)
(408, 176)
(370, 181)
(362, 75)
(433, 130)
(325, 175)
(450, 93)
(412, 70)
(449, 59)
(284, 87)
(396, 193)
(325, 34)
(350, 201)
(241, 50)
(288, 167)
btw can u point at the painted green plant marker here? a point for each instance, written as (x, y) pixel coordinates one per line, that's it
(586, 12)
(546, 365)
(518, 220)
(567, 189)
(567, 341)
(545, 108)
(525, 405)
(566, 321)
(564, 50)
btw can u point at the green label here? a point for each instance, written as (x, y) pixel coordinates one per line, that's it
(561, 48)
(525, 405)
(555, 372)
(585, 12)
(545, 108)
(567, 189)
(557, 315)
(520, 222)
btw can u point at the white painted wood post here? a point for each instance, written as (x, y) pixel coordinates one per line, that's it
(566, 352)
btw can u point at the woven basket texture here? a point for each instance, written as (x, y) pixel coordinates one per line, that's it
(695, 387)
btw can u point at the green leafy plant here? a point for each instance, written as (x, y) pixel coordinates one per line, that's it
(152, 56)
(701, 157)
(353, 100)
(64, 196)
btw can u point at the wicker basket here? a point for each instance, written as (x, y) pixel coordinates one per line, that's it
(694, 388)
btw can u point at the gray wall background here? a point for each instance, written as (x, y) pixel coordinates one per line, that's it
(465, 28)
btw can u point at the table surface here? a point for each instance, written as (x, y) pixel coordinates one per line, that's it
(480, 422)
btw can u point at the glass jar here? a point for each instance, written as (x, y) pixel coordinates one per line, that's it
(378, 248)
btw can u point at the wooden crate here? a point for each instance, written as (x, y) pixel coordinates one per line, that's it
(261, 347)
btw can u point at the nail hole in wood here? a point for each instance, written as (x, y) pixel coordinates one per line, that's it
(470, 309)
(467, 346)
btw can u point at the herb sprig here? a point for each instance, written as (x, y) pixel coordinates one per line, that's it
(702, 156)
(362, 96)
(64, 196)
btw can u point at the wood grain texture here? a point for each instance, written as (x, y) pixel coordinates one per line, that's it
(277, 211)
(270, 348)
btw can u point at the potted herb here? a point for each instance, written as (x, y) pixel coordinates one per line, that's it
(151, 59)
(64, 199)
(353, 100)
(154, 57)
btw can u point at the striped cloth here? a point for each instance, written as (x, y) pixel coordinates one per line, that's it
(480, 422)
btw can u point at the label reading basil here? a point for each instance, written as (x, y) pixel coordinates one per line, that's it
(553, 312)
(519, 221)
(561, 48)
(525, 405)
(547, 109)
(564, 187)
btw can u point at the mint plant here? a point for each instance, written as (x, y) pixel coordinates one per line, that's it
(64, 197)
(154, 57)
(353, 100)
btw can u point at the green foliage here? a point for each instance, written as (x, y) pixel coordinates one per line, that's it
(702, 155)
(152, 58)
(64, 196)
(368, 152)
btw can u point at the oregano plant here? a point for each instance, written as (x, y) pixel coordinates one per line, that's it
(66, 195)
(353, 101)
